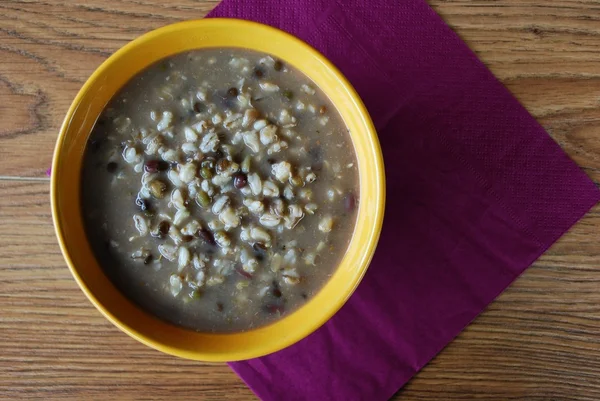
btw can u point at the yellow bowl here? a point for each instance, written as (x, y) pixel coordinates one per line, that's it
(66, 171)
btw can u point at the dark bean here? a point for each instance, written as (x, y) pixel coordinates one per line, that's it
(151, 166)
(243, 272)
(207, 236)
(258, 73)
(276, 292)
(163, 228)
(349, 202)
(259, 247)
(219, 154)
(316, 153)
(219, 306)
(240, 180)
(278, 66)
(270, 160)
(323, 110)
(143, 204)
(199, 107)
(111, 167)
(233, 92)
(303, 295)
(288, 94)
(187, 238)
(163, 165)
(148, 259)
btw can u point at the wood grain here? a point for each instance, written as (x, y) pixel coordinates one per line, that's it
(539, 341)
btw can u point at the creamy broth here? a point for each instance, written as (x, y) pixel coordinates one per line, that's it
(219, 189)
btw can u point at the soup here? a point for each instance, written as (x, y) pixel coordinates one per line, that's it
(219, 189)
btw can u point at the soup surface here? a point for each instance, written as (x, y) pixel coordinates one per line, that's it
(219, 189)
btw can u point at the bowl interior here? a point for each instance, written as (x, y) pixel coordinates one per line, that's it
(87, 106)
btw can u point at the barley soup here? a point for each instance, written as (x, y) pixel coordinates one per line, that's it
(219, 189)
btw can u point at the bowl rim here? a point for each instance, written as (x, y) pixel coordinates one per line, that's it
(369, 246)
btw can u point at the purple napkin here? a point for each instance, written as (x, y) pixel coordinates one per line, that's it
(476, 191)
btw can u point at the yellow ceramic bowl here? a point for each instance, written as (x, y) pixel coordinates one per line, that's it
(66, 170)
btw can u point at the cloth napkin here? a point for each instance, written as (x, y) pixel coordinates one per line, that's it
(476, 191)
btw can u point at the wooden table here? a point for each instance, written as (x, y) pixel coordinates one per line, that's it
(539, 341)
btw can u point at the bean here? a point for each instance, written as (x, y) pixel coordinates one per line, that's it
(276, 292)
(196, 294)
(233, 92)
(209, 162)
(278, 66)
(316, 153)
(112, 167)
(258, 73)
(206, 173)
(296, 181)
(243, 272)
(240, 180)
(163, 228)
(323, 110)
(223, 165)
(207, 236)
(157, 189)
(163, 165)
(219, 307)
(349, 202)
(203, 199)
(288, 94)
(260, 251)
(148, 259)
(153, 166)
(199, 107)
(259, 247)
(187, 238)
